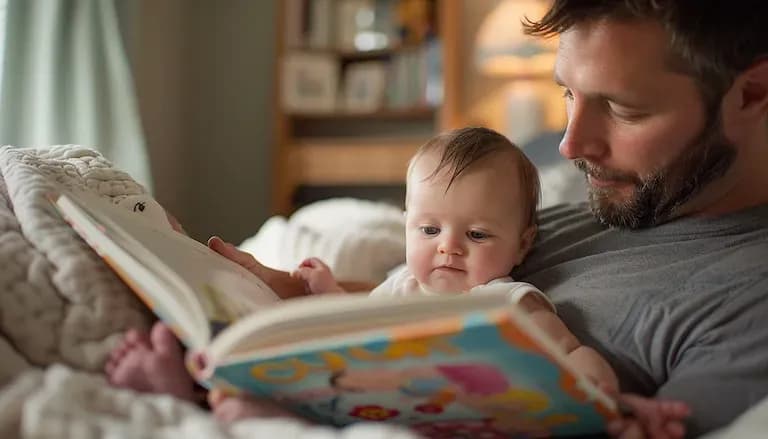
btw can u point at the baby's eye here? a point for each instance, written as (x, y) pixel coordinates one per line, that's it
(477, 235)
(429, 230)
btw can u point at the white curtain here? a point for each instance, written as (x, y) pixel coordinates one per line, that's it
(66, 79)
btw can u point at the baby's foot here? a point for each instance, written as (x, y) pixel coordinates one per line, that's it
(234, 408)
(151, 363)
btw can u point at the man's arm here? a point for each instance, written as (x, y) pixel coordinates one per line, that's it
(280, 281)
(357, 287)
(725, 372)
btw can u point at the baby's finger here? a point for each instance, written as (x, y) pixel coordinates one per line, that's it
(615, 427)
(675, 429)
(215, 397)
(308, 262)
(675, 409)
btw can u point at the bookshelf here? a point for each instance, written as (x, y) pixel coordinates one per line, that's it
(360, 84)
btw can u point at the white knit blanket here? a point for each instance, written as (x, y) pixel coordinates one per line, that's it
(62, 310)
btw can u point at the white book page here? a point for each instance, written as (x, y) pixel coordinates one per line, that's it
(224, 289)
(309, 319)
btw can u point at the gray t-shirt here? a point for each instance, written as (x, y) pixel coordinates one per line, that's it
(679, 310)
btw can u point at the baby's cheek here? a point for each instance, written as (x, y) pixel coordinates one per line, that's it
(418, 271)
(418, 265)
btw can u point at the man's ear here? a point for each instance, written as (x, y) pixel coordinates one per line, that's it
(749, 93)
(526, 242)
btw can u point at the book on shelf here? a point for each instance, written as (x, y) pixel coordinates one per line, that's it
(344, 54)
(471, 363)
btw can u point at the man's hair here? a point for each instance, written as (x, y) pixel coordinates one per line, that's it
(710, 40)
(463, 148)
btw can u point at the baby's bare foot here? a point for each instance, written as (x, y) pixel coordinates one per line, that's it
(151, 363)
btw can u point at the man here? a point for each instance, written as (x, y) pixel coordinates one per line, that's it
(668, 118)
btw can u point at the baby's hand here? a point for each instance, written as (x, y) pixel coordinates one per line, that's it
(651, 418)
(317, 276)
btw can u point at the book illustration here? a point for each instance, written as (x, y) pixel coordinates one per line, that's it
(467, 378)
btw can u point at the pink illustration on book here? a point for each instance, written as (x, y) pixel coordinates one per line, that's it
(480, 387)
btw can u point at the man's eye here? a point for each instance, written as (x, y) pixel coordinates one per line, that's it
(477, 235)
(626, 114)
(567, 94)
(429, 230)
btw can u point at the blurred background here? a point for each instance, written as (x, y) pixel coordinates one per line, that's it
(234, 111)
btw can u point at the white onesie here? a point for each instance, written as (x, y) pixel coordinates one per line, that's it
(403, 283)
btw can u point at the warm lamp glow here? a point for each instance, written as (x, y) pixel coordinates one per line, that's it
(502, 49)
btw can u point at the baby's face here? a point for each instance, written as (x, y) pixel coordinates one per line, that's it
(469, 235)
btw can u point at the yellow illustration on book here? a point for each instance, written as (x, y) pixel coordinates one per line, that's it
(292, 369)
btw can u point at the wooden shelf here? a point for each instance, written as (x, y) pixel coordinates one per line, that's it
(359, 55)
(343, 162)
(356, 149)
(405, 113)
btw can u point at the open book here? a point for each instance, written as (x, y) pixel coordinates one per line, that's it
(471, 363)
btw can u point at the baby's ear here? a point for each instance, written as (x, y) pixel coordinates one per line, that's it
(526, 242)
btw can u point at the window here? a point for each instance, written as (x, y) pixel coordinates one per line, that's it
(2, 38)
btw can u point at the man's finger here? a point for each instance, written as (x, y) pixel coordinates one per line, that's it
(632, 431)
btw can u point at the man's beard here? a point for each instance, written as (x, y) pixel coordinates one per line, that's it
(658, 196)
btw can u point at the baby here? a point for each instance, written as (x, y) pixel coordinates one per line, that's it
(470, 219)
(471, 200)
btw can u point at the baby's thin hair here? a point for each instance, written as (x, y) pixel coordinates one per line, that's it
(464, 147)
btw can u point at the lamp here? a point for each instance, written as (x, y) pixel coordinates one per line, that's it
(502, 50)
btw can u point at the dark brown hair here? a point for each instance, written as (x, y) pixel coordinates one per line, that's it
(710, 40)
(465, 147)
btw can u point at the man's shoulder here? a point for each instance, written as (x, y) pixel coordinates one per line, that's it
(566, 222)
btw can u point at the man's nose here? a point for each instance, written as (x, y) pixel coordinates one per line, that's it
(584, 136)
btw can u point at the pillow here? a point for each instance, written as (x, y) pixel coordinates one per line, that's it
(360, 240)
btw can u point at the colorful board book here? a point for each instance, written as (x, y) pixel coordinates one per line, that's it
(467, 365)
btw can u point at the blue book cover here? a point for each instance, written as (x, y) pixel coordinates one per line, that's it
(482, 373)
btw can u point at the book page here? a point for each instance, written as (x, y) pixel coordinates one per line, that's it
(225, 288)
(195, 276)
(308, 320)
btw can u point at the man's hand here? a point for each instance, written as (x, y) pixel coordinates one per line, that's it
(318, 277)
(281, 282)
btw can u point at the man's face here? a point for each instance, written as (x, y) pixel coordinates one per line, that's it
(639, 131)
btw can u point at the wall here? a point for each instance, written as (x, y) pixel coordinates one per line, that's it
(204, 73)
(159, 58)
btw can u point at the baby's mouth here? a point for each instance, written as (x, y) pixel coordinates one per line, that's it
(448, 268)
